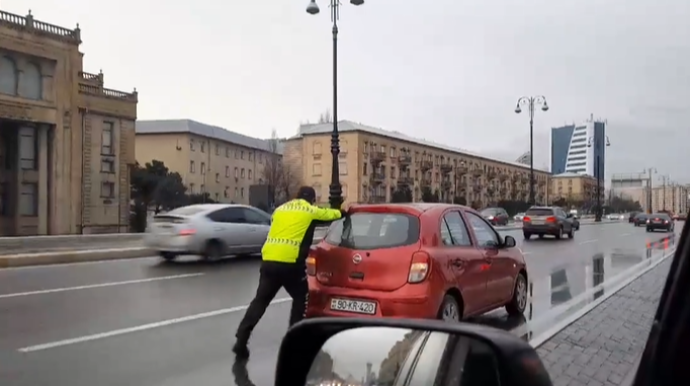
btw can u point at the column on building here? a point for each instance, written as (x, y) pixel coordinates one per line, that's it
(30, 182)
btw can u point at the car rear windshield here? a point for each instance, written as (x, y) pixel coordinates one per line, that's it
(661, 215)
(539, 212)
(641, 215)
(186, 211)
(374, 231)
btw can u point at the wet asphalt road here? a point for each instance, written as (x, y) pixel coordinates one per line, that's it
(141, 322)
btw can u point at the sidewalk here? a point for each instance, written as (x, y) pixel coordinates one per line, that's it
(602, 347)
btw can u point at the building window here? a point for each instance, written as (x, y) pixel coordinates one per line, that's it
(242, 173)
(31, 85)
(203, 167)
(227, 171)
(261, 158)
(242, 154)
(217, 177)
(192, 167)
(342, 168)
(227, 152)
(107, 165)
(191, 188)
(237, 154)
(237, 194)
(8, 76)
(365, 168)
(107, 189)
(249, 174)
(107, 138)
(203, 146)
(191, 145)
(28, 148)
(242, 192)
(217, 149)
(28, 200)
(237, 172)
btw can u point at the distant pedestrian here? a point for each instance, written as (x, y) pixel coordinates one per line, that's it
(284, 261)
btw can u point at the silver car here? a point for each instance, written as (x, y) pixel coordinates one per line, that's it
(208, 230)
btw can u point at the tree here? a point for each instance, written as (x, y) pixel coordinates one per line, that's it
(402, 194)
(428, 195)
(277, 175)
(326, 117)
(459, 200)
(154, 186)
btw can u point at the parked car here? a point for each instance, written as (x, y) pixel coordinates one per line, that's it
(548, 220)
(417, 260)
(660, 221)
(209, 230)
(631, 217)
(496, 216)
(640, 219)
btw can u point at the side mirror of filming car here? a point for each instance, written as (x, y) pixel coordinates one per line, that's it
(401, 352)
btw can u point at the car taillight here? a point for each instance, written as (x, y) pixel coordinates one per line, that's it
(187, 232)
(311, 266)
(526, 219)
(550, 219)
(419, 269)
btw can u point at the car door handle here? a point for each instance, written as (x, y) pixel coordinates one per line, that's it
(456, 263)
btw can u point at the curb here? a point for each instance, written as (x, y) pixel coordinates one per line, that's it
(62, 257)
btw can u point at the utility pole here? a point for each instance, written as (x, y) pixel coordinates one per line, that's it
(649, 189)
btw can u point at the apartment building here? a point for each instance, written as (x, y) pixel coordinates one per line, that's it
(66, 141)
(210, 159)
(374, 162)
(670, 197)
(574, 187)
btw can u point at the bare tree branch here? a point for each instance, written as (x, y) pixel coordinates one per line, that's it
(276, 174)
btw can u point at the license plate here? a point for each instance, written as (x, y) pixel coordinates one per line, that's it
(538, 222)
(355, 306)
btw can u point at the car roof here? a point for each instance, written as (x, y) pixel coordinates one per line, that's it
(659, 214)
(205, 208)
(542, 207)
(419, 207)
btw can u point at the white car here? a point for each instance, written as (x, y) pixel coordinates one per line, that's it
(208, 230)
(519, 216)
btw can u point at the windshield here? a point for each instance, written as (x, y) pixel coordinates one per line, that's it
(187, 210)
(641, 216)
(374, 230)
(540, 212)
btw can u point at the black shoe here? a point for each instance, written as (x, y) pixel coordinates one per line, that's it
(241, 350)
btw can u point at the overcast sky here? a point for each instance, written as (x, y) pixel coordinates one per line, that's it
(447, 70)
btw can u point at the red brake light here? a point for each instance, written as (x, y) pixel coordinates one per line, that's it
(550, 219)
(419, 268)
(311, 266)
(526, 219)
(187, 232)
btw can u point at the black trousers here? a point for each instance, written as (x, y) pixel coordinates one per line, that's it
(272, 277)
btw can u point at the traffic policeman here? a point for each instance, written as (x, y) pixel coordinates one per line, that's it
(284, 261)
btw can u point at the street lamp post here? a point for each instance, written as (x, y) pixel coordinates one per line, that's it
(335, 189)
(530, 102)
(594, 142)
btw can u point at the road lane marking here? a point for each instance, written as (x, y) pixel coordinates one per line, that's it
(625, 234)
(101, 285)
(588, 241)
(143, 327)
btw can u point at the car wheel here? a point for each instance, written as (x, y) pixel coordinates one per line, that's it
(571, 234)
(450, 310)
(214, 250)
(527, 235)
(649, 230)
(167, 256)
(559, 235)
(518, 303)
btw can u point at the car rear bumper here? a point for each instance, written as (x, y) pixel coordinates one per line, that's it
(550, 229)
(410, 301)
(659, 226)
(173, 244)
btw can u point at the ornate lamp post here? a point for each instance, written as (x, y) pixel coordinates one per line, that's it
(530, 103)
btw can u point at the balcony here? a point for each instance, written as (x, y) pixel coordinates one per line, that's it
(446, 185)
(425, 181)
(29, 24)
(461, 170)
(404, 160)
(426, 165)
(492, 175)
(503, 177)
(377, 156)
(405, 181)
(477, 172)
(99, 91)
(378, 178)
(476, 188)
(378, 197)
(446, 168)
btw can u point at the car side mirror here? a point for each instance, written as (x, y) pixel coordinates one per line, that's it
(509, 242)
(379, 351)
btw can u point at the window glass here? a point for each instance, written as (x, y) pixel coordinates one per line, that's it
(485, 234)
(187, 210)
(457, 229)
(256, 216)
(374, 230)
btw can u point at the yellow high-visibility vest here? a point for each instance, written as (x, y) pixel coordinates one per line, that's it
(288, 228)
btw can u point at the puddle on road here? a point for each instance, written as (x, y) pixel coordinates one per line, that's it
(567, 290)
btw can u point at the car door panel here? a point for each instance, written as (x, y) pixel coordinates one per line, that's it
(465, 261)
(259, 224)
(500, 265)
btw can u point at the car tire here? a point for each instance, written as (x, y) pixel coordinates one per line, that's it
(527, 235)
(518, 303)
(167, 256)
(214, 250)
(577, 228)
(571, 234)
(450, 310)
(559, 235)
(649, 230)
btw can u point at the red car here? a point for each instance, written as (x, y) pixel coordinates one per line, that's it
(433, 261)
